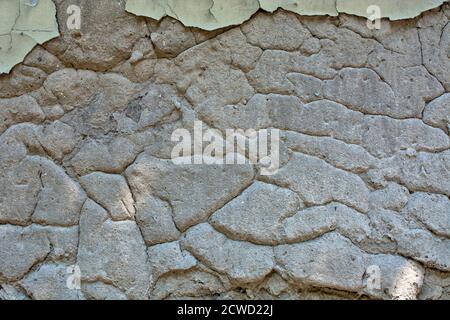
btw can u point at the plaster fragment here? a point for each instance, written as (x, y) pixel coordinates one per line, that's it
(204, 14)
(303, 7)
(22, 27)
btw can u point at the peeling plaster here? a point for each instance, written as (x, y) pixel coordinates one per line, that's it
(23, 25)
(303, 7)
(205, 14)
(215, 14)
(394, 10)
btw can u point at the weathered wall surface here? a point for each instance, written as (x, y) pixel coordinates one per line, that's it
(86, 178)
(215, 14)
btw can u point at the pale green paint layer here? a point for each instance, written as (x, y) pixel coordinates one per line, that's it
(205, 14)
(215, 14)
(303, 7)
(392, 9)
(22, 27)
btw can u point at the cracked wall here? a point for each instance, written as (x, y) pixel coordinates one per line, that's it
(25, 23)
(86, 177)
(216, 14)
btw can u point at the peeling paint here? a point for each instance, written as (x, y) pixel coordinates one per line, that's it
(215, 14)
(394, 10)
(23, 25)
(205, 14)
(303, 7)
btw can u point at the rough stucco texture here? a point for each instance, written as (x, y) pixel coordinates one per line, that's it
(86, 180)
(25, 23)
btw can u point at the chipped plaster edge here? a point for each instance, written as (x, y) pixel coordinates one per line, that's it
(37, 25)
(219, 13)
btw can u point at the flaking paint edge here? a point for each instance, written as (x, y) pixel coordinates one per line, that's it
(216, 14)
(22, 27)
